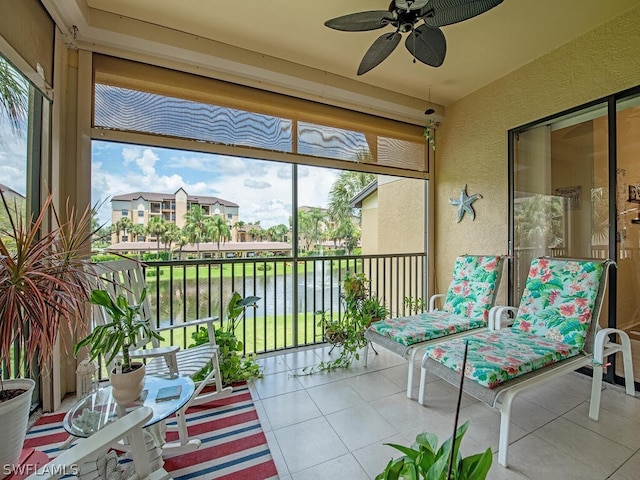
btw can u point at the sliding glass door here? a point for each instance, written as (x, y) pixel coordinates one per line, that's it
(575, 192)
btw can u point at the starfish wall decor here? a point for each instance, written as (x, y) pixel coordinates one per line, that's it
(464, 204)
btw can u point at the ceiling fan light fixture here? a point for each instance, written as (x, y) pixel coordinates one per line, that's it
(425, 42)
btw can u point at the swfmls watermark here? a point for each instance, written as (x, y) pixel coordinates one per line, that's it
(26, 469)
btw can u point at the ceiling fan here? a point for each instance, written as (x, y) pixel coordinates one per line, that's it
(425, 42)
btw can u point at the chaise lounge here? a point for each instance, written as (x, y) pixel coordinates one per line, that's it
(555, 332)
(466, 308)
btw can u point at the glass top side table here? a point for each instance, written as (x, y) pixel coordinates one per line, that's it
(99, 408)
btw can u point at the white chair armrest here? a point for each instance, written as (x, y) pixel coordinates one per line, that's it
(496, 315)
(154, 352)
(88, 449)
(432, 300)
(209, 321)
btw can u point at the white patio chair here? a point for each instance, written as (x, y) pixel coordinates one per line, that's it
(127, 277)
(89, 458)
(556, 331)
(468, 301)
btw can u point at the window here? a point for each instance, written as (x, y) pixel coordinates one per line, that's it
(140, 213)
(125, 212)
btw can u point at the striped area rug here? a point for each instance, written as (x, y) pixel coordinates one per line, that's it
(233, 444)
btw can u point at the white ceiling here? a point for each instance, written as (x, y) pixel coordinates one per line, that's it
(479, 50)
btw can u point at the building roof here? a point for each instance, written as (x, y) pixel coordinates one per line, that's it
(8, 190)
(356, 201)
(204, 247)
(160, 197)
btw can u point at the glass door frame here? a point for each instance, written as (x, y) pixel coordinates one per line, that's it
(611, 102)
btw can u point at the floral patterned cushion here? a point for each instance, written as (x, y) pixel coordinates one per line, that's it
(497, 356)
(473, 286)
(558, 299)
(425, 326)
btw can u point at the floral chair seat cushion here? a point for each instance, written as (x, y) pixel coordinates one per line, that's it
(495, 357)
(558, 299)
(472, 288)
(425, 326)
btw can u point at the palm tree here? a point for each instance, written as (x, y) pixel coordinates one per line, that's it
(343, 214)
(155, 228)
(14, 95)
(135, 230)
(181, 242)
(123, 225)
(169, 236)
(239, 225)
(316, 217)
(195, 226)
(218, 230)
(343, 190)
(254, 233)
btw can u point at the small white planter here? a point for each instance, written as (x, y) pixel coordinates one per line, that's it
(14, 417)
(127, 386)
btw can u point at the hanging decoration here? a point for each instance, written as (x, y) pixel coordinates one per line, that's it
(464, 204)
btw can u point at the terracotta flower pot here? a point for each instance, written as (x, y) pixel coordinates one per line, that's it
(128, 386)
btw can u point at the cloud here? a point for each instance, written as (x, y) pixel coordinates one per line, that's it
(262, 189)
(256, 184)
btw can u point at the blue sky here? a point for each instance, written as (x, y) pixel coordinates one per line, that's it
(262, 189)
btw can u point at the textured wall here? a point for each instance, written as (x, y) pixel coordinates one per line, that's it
(472, 143)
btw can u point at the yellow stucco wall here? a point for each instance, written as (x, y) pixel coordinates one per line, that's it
(472, 142)
(400, 215)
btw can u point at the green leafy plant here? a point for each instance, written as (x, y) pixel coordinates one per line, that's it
(415, 304)
(44, 281)
(360, 309)
(429, 133)
(124, 331)
(233, 366)
(424, 459)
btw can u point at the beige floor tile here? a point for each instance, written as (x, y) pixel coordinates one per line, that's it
(276, 384)
(621, 429)
(276, 454)
(442, 397)
(374, 458)
(630, 470)
(262, 415)
(592, 450)
(373, 385)
(309, 443)
(484, 426)
(335, 396)
(289, 408)
(346, 467)
(272, 364)
(538, 460)
(364, 407)
(561, 394)
(360, 426)
(301, 359)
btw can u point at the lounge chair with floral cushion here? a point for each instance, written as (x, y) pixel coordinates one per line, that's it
(555, 331)
(467, 306)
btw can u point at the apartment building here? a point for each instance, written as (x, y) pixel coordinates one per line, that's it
(140, 207)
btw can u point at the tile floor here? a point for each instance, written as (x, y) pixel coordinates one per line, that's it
(333, 425)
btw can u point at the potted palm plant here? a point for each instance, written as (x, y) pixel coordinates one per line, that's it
(108, 340)
(43, 293)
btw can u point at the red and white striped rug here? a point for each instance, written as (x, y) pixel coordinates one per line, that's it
(233, 444)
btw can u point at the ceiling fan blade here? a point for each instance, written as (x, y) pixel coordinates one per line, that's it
(378, 51)
(446, 12)
(360, 21)
(427, 45)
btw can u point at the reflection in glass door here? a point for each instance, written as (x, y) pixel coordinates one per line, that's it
(560, 206)
(628, 224)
